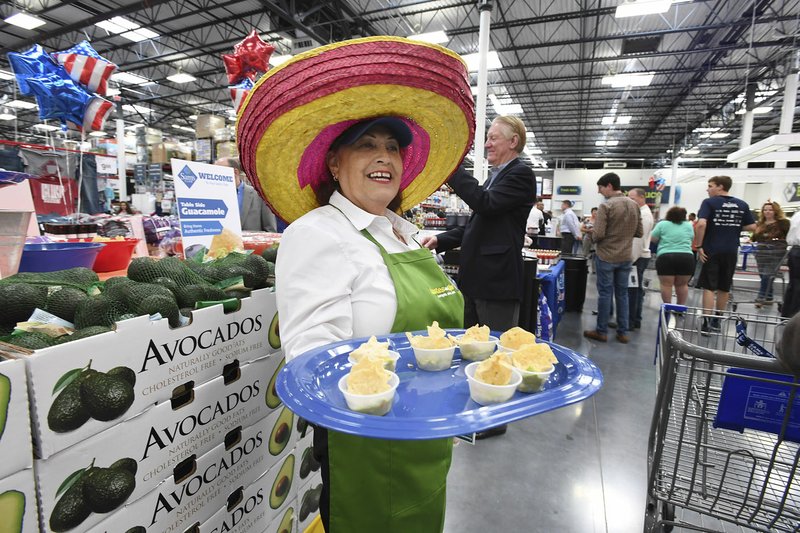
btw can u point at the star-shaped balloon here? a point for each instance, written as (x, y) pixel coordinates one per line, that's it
(250, 56)
(239, 92)
(59, 97)
(31, 63)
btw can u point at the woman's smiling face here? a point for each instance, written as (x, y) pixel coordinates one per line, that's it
(369, 170)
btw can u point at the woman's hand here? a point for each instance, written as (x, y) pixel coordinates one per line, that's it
(702, 255)
(429, 242)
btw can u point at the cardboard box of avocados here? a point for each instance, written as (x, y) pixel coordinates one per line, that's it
(16, 447)
(308, 496)
(18, 511)
(251, 509)
(81, 388)
(198, 487)
(151, 444)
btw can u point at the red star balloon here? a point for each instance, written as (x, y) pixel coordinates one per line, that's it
(250, 56)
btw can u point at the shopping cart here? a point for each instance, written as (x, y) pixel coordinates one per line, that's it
(723, 446)
(769, 264)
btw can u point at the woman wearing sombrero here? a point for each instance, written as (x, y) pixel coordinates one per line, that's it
(339, 140)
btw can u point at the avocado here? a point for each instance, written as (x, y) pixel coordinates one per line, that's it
(314, 463)
(12, 511)
(310, 502)
(125, 373)
(5, 399)
(305, 462)
(282, 484)
(106, 397)
(63, 302)
(137, 529)
(83, 333)
(126, 464)
(279, 437)
(274, 334)
(105, 489)
(271, 397)
(70, 510)
(68, 412)
(286, 522)
(302, 425)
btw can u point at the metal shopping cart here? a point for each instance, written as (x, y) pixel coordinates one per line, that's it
(723, 447)
(754, 282)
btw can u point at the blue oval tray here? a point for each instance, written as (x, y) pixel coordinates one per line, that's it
(428, 405)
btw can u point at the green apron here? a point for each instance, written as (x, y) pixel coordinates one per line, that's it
(397, 486)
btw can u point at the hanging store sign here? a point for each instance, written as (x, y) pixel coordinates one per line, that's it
(568, 189)
(208, 208)
(792, 192)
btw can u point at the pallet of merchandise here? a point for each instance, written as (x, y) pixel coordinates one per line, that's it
(81, 388)
(200, 487)
(143, 451)
(18, 510)
(16, 447)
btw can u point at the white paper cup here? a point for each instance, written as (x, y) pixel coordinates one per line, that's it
(486, 394)
(476, 350)
(533, 381)
(434, 359)
(389, 365)
(370, 404)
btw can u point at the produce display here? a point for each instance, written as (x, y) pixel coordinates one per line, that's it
(167, 288)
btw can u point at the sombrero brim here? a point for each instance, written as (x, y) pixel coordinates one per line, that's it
(296, 110)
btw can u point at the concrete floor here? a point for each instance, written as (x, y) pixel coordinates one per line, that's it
(580, 468)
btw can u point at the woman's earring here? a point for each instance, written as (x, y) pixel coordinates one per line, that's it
(335, 178)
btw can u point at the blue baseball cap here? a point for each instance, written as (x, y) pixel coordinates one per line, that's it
(399, 130)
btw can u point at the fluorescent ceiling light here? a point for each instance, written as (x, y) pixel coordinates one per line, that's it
(720, 135)
(184, 128)
(192, 117)
(624, 119)
(45, 127)
(5, 115)
(435, 37)
(181, 77)
(98, 134)
(492, 61)
(612, 143)
(638, 79)
(536, 151)
(21, 104)
(701, 130)
(607, 121)
(127, 28)
(642, 7)
(756, 111)
(133, 108)
(112, 92)
(130, 78)
(6, 75)
(599, 143)
(529, 135)
(692, 151)
(512, 109)
(23, 20)
(278, 60)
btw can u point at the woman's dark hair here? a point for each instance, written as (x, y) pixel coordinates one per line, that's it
(676, 214)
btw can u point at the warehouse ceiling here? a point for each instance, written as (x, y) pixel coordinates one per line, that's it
(702, 54)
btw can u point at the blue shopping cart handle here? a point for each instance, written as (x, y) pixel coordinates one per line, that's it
(743, 340)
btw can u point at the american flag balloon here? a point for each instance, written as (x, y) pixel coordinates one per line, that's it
(239, 93)
(94, 115)
(86, 66)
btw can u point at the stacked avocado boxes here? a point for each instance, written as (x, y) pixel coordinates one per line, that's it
(17, 489)
(150, 428)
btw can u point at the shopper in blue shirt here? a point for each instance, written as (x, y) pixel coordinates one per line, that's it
(720, 222)
(570, 228)
(675, 260)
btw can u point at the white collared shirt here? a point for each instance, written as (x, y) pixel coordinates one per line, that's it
(793, 237)
(331, 282)
(641, 245)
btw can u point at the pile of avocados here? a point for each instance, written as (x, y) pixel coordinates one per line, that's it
(93, 490)
(310, 502)
(308, 463)
(86, 393)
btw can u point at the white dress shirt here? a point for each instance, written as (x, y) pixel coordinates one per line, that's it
(534, 217)
(641, 245)
(331, 282)
(793, 237)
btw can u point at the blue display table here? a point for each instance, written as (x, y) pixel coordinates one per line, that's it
(551, 283)
(428, 405)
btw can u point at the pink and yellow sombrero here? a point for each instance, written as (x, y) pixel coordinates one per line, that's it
(296, 110)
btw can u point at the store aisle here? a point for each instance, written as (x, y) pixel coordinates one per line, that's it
(578, 469)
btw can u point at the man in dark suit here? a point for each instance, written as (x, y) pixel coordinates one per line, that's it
(490, 270)
(254, 214)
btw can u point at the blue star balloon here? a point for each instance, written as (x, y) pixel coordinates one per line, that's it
(59, 97)
(32, 63)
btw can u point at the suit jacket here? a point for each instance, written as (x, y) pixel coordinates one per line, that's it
(255, 215)
(491, 242)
